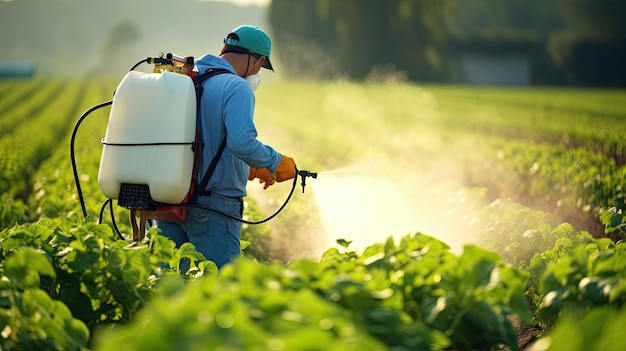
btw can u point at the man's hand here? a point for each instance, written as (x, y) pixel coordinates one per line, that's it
(264, 176)
(286, 169)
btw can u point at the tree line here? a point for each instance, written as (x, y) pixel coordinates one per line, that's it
(568, 42)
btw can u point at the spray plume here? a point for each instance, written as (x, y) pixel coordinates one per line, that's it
(365, 207)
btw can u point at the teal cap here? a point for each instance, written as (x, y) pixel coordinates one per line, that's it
(253, 39)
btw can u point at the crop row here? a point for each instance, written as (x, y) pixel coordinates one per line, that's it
(53, 193)
(410, 126)
(69, 284)
(587, 119)
(414, 294)
(575, 185)
(561, 151)
(38, 133)
(25, 104)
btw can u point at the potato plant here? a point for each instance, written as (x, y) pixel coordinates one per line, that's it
(547, 163)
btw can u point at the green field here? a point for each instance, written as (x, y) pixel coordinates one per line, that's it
(523, 185)
(559, 151)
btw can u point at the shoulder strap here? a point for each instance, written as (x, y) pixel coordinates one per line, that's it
(209, 172)
(197, 81)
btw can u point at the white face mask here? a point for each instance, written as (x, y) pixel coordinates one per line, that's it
(254, 80)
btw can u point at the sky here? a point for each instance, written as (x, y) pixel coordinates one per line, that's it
(261, 3)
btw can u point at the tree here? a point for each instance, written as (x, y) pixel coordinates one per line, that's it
(116, 48)
(349, 37)
(592, 50)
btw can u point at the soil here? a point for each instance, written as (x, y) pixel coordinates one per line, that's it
(526, 334)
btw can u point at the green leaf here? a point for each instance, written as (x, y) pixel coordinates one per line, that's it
(77, 301)
(24, 266)
(78, 331)
(244, 244)
(117, 258)
(138, 267)
(162, 248)
(519, 306)
(188, 250)
(208, 268)
(344, 243)
(388, 317)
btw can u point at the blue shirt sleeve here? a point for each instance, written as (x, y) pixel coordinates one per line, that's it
(241, 133)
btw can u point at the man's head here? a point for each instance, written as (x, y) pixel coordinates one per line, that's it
(249, 40)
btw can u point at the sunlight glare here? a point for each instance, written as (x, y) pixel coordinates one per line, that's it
(368, 209)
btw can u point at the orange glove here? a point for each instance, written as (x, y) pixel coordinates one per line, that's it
(286, 169)
(264, 176)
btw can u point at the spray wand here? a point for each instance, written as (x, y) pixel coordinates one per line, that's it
(303, 174)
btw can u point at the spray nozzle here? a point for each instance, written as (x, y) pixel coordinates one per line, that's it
(303, 174)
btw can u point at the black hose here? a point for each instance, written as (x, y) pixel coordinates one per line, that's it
(146, 60)
(73, 156)
(104, 204)
(110, 202)
(293, 187)
(101, 219)
(119, 235)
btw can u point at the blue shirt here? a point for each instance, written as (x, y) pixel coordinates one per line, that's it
(227, 109)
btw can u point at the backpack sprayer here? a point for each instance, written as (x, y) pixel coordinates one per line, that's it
(151, 147)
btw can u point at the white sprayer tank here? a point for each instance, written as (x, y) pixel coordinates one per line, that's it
(149, 136)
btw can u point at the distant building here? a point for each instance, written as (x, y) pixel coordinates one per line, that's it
(495, 69)
(17, 69)
(484, 60)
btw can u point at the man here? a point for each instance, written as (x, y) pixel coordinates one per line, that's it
(226, 113)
